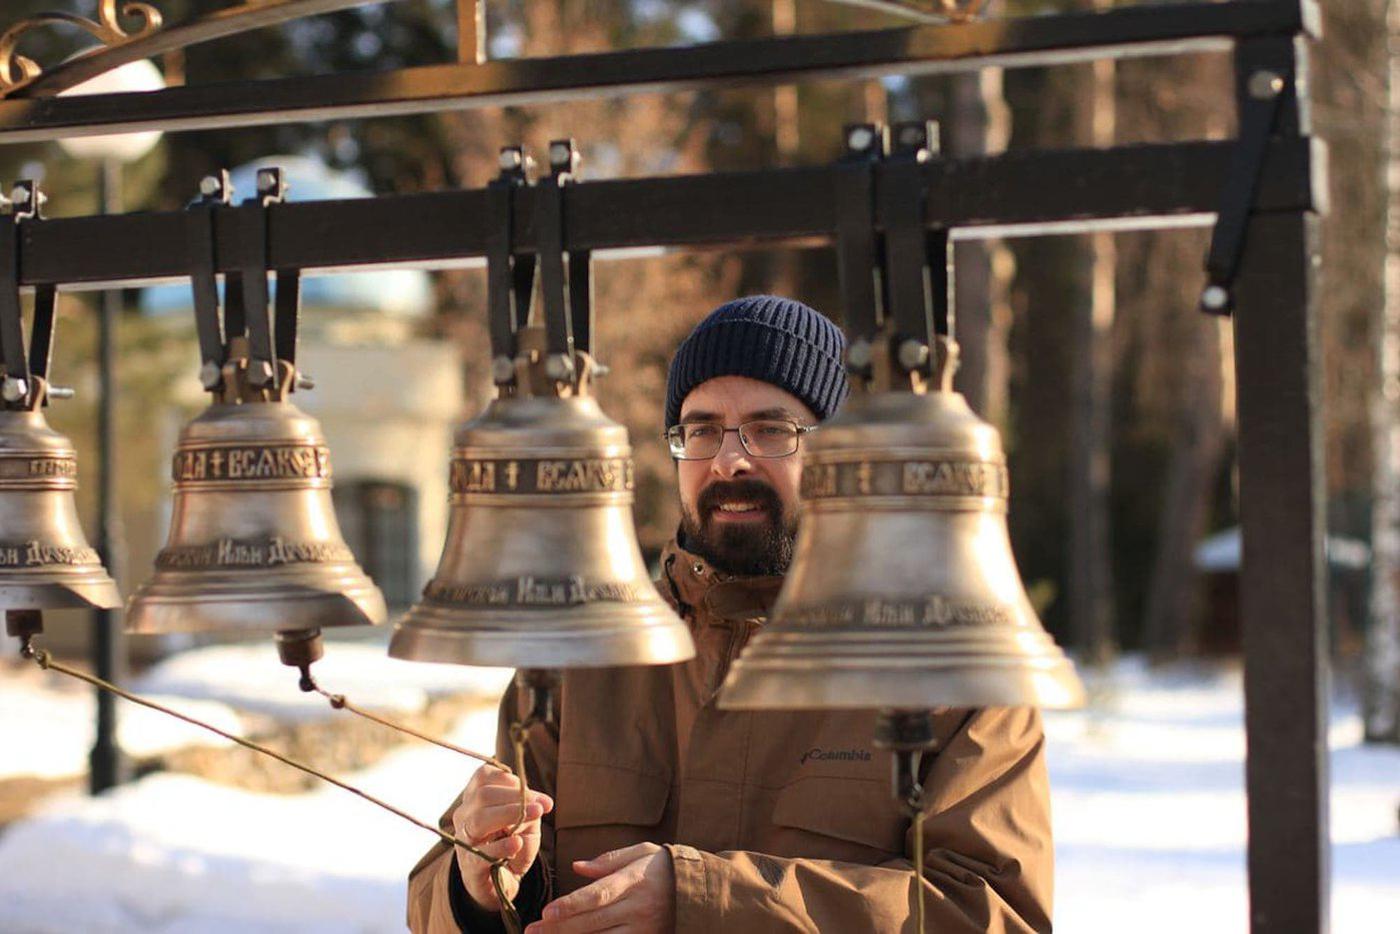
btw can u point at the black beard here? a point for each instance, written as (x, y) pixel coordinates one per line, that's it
(752, 550)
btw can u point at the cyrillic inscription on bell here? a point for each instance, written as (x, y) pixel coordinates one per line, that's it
(903, 591)
(45, 559)
(254, 545)
(541, 568)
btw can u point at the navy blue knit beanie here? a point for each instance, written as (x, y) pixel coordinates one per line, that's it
(776, 340)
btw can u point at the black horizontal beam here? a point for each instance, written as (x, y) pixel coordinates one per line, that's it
(731, 209)
(1150, 29)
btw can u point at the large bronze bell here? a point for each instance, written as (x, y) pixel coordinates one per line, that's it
(541, 568)
(903, 591)
(45, 560)
(254, 545)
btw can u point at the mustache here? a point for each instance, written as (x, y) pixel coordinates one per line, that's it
(750, 490)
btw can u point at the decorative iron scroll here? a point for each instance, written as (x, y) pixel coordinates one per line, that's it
(17, 70)
(925, 11)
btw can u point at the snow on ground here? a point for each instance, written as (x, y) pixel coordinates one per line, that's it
(46, 719)
(1148, 798)
(1149, 809)
(360, 670)
(47, 725)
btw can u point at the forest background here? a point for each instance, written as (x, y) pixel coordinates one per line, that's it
(1114, 394)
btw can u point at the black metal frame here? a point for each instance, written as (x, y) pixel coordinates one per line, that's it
(1266, 243)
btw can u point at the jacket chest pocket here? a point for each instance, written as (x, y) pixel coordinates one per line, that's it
(851, 820)
(602, 808)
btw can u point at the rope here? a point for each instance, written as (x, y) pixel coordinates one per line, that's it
(919, 873)
(509, 916)
(339, 702)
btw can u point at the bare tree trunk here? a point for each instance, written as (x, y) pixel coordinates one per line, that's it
(1200, 444)
(1090, 556)
(785, 128)
(1383, 634)
(983, 269)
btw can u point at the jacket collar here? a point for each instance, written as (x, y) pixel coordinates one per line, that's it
(694, 583)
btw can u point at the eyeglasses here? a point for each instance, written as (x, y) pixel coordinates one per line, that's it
(764, 437)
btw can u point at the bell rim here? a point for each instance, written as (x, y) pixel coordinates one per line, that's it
(149, 611)
(89, 590)
(651, 643)
(1051, 684)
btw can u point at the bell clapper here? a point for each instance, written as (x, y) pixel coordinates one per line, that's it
(24, 625)
(908, 735)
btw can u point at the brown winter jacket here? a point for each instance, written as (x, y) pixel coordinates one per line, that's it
(775, 821)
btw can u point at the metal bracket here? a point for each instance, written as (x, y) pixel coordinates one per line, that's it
(1259, 108)
(916, 264)
(214, 191)
(555, 270)
(510, 279)
(25, 202)
(858, 253)
(254, 218)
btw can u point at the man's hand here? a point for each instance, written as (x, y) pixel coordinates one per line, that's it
(635, 892)
(489, 809)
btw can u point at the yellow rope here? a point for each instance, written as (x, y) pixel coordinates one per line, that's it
(509, 916)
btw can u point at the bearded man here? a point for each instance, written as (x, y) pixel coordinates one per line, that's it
(652, 810)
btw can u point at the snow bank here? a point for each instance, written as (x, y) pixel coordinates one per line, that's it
(177, 855)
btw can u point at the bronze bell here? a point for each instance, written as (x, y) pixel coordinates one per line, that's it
(45, 560)
(903, 591)
(541, 568)
(254, 545)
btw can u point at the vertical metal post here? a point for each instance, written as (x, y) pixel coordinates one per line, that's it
(471, 31)
(1283, 515)
(108, 766)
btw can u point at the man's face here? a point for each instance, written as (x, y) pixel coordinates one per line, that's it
(738, 511)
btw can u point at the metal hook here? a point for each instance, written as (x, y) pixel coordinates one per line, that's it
(916, 263)
(857, 246)
(25, 202)
(214, 191)
(509, 278)
(550, 248)
(254, 221)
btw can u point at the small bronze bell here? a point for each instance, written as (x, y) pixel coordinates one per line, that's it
(45, 560)
(903, 591)
(541, 568)
(254, 544)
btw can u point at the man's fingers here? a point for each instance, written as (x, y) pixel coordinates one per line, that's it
(500, 794)
(613, 860)
(485, 822)
(504, 848)
(588, 899)
(488, 776)
(606, 918)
